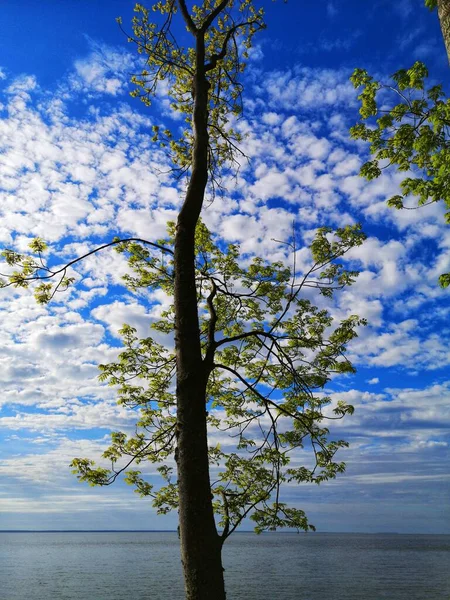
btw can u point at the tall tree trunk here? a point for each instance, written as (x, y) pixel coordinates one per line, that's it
(443, 7)
(200, 542)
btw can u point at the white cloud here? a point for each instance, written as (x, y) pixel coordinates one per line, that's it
(404, 344)
(332, 10)
(105, 70)
(78, 182)
(23, 83)
(117, 314)
(309, 89)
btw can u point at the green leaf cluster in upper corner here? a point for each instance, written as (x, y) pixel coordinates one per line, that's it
(407, 124)
(431, 4)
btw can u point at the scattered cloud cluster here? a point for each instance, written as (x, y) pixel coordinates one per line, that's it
(78, 179)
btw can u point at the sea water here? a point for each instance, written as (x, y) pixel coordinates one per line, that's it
(286, 566)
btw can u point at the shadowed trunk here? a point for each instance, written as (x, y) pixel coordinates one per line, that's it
(443, 7)
(200, 542)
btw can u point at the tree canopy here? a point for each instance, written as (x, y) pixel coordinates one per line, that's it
(227, 29)
(407, 124)
(270, 352)
(252, 354)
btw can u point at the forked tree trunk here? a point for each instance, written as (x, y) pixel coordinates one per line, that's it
(443, 7)
(200, 542)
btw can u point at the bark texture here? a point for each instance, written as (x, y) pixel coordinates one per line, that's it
(443, 7)
(200, 541)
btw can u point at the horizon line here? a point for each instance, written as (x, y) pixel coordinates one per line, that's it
(242, 531)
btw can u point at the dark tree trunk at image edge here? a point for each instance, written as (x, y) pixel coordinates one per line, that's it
(200, 541)
(443, 7)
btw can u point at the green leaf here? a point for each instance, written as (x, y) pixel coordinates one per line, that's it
(444, 280)
(38, 245)
(411, 136)
(370, 170)
(395, 202)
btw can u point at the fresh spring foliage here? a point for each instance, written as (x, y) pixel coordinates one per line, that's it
(412, 133)
(270, 353)
(228, 40)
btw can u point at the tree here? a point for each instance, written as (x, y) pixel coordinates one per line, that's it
(443, 8)
(412, 133)
(252, 354)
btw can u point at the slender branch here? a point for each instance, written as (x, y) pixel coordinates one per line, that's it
(141, 452)
(209, 357)
(251, 507)
(215, 58)
(187, 17)
(82, 257)
(215, 13)
(226, 529)
(246, 334)
(267, 400)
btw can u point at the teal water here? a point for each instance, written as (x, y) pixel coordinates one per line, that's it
(146, 566)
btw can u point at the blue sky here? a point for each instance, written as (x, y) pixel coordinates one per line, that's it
(77, 166)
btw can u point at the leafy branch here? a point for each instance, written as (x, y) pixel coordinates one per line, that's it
(268, 354)
(30, 269)
(412, 135)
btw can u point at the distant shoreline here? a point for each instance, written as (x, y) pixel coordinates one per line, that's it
(238, 532)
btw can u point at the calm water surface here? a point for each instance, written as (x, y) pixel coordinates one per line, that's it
(146, 566)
